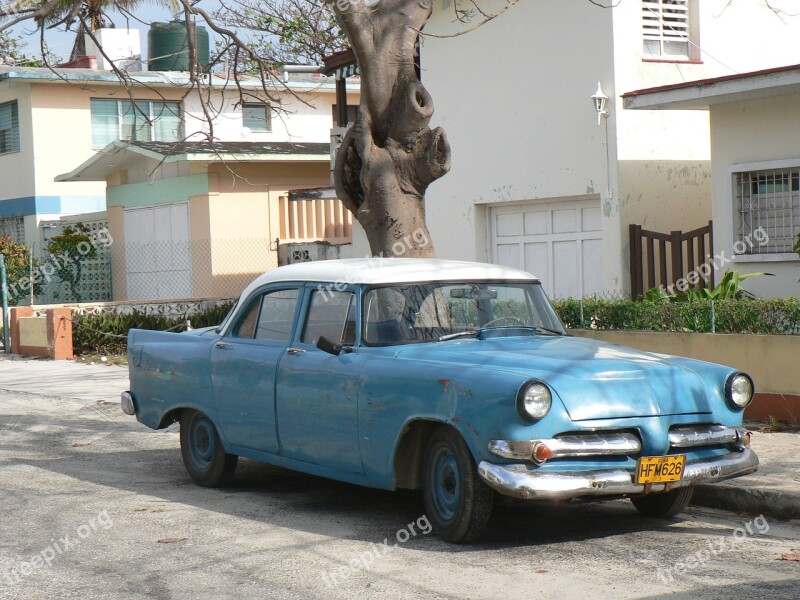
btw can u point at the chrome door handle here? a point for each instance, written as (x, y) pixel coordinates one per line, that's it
(222, 345)
(295, 351)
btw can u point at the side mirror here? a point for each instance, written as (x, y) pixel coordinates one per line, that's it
(326, 344)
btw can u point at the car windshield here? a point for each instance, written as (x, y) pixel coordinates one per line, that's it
(414, 313)
(228, 316)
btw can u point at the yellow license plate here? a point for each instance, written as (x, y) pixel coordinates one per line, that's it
(660, 469)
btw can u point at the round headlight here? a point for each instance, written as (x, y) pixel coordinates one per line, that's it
(534, 400)
(739, 390)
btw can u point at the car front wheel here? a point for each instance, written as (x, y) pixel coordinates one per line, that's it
(666, 504)
(203, 455)
(457, 502)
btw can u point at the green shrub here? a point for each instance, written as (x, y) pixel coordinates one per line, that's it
(18, 264)
(107, 333)
(773, 316)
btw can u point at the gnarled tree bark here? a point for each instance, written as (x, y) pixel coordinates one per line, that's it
(390, 155)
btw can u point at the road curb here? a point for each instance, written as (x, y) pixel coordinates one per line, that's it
(770, 503)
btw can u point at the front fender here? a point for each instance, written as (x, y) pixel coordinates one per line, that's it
(395, 394)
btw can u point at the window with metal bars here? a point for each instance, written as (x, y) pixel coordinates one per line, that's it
(666, 28)
(14, 227)
(767, 205)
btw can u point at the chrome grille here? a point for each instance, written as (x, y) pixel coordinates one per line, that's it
(690, 436)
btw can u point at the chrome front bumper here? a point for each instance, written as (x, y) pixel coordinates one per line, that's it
(520, 481)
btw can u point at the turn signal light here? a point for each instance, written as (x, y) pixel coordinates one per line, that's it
(541, 452)
(746, 439)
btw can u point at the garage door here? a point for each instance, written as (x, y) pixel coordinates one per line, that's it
(158, 258)
(559, 242)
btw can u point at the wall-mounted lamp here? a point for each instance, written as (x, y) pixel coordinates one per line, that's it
(600, 101)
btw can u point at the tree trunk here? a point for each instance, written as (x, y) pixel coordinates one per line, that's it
(390, 155)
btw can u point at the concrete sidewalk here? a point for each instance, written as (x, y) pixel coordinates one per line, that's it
(774, 490)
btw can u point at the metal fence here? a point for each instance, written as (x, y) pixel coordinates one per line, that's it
(219, 268)
(154, 271)
(773, 316)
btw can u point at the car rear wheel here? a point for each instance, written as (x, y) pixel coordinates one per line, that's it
(457, 502)
(667, 504)
(203, 455)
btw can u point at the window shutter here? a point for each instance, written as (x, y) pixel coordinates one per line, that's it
(257, 117)
(665, 25)
(9, 128)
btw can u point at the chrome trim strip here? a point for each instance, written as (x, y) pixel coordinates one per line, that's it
(571, 445)
(702, 435)
(520, 481)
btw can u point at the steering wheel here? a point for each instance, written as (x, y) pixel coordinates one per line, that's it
(504, 321)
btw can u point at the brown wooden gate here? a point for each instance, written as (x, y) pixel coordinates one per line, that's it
(661, 259)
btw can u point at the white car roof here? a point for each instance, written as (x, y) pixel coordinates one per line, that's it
(389, 270)
(376, 271)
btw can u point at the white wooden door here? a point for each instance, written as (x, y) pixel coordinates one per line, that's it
(158, 254)
(559, 242)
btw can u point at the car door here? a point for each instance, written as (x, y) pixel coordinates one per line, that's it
(317, 392)
(244, 364)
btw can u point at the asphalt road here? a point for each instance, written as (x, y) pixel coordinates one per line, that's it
(96, 506)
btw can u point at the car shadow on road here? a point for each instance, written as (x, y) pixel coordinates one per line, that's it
(285, 498)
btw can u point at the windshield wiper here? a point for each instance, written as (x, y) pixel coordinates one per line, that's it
(546, 330)
(452, 336)
(479, 332)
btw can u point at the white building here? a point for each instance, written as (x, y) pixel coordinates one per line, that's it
(535, 182)
(755, 164)
(51, 121)
(195, 193)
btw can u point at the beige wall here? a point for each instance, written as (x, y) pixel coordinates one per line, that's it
(254, 181)
(771, 360)
(232, 227)
(243, 216)
(62, 132)
(116, 227)
(18, 176)
(61, 119)
(746, 134)
(665, 195)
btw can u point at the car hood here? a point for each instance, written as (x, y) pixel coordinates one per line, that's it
(593, 379)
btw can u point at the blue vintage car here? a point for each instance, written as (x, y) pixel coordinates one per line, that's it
(451, 377)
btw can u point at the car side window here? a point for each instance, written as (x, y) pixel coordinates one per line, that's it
(269, 317)
(277, 315)
(246, 327)
(332, 314)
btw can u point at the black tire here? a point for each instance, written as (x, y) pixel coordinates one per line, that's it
(203, 455)
(666, 504)
(458, 503)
